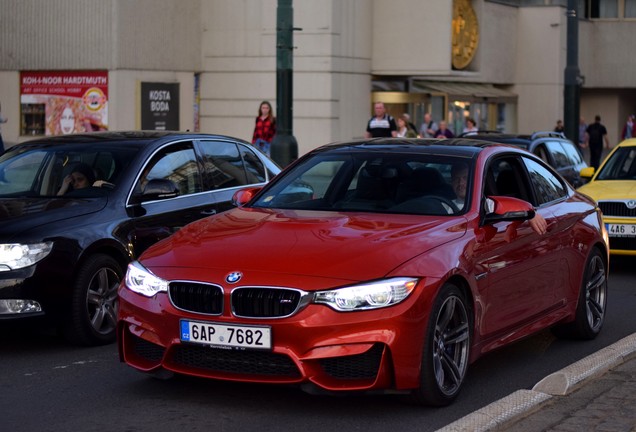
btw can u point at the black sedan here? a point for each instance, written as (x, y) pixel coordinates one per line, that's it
(75, 210)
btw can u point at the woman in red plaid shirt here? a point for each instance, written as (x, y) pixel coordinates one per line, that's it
(265, 128)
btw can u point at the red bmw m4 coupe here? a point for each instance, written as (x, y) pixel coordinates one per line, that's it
(382, 264)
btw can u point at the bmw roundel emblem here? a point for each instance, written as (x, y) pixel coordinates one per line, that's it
(233, 277)
(631, 204)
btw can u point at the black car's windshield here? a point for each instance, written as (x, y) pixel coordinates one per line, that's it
(62, 170)
(620, 166)
(374, 182)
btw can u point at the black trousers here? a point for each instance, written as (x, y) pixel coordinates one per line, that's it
(595, 155)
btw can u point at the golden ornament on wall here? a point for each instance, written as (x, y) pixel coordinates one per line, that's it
(465, 33)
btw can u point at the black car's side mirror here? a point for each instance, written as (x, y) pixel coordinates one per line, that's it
(503, 208)
(158, 189)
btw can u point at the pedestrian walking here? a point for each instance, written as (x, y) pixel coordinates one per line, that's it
(265, 128)
(403, 129)
(381, 124)
(559, 126)
(629, 130)
(471, 127)
(443, 131)
(429, 127)
(3, 119)
(409, 124)
(582, 128)
(595, 137)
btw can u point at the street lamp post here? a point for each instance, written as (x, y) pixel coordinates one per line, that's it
(284, 148)
(572, 77)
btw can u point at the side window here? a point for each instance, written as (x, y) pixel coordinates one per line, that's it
(561, 159)
(505, 177)
(222, 164)
(573, 153)
(22, 174)
(547, 187)
(253, 166)
(176, 163)
(542, 153)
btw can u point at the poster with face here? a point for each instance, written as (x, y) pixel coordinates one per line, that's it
(74, 101)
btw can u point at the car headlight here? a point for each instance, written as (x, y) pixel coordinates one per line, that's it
(16, 256)
(372, 295)
(140, 280)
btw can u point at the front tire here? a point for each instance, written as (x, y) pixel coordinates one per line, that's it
(94, 303)
(592, 302)
(446, 349)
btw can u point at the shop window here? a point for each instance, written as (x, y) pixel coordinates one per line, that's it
(32, 119)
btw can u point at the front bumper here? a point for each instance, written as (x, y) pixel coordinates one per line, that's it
(365, 350)
(18, 296)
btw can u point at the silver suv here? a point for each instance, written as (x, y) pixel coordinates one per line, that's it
(553, 147)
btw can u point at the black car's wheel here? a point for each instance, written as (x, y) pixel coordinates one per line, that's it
(446, 349)
(590, 309)
(94, 302)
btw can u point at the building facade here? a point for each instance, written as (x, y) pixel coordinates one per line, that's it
(207, 64)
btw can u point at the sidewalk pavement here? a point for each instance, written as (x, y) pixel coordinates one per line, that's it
(597, 393)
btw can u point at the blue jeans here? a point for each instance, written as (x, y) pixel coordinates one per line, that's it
(262, 145)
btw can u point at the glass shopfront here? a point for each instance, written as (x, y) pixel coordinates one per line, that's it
(492, 108)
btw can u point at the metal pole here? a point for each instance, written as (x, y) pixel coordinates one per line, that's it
(572, 77)
(284, 148)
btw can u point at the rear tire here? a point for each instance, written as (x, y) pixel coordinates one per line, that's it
(592, 302)
(94, 303)
(446, 349)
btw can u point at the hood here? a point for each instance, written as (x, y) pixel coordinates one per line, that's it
(20, 214)
(347, 246)
(601, 190)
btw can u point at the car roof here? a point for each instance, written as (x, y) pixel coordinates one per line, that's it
(519, 139)
(136, 138)
(630, 142)
(466, 147)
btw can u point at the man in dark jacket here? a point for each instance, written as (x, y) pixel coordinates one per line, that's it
(595, 136)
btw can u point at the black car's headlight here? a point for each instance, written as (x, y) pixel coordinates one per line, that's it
(140, 280)
(373, 295)
(15, 256)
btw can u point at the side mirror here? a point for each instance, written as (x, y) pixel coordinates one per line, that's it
(503, 208)
(244, 196)
(158, 189)
(587, 173)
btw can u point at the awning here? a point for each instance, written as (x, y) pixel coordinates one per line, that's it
(462, 90)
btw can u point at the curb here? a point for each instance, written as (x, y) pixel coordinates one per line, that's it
(560, 383)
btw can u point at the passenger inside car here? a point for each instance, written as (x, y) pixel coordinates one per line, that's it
(80, 181)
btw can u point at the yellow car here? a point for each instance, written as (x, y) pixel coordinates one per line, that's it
(613, 187)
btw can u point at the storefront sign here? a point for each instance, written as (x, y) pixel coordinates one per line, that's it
(159, 106)
(62, 102)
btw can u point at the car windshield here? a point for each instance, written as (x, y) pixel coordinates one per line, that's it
(40, 171)
(620, 166)
(414, 183)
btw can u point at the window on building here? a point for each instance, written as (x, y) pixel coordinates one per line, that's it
(609, 8)
(32, 119)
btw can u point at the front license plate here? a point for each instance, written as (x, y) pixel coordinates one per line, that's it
(621, 230)
(259, 337)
